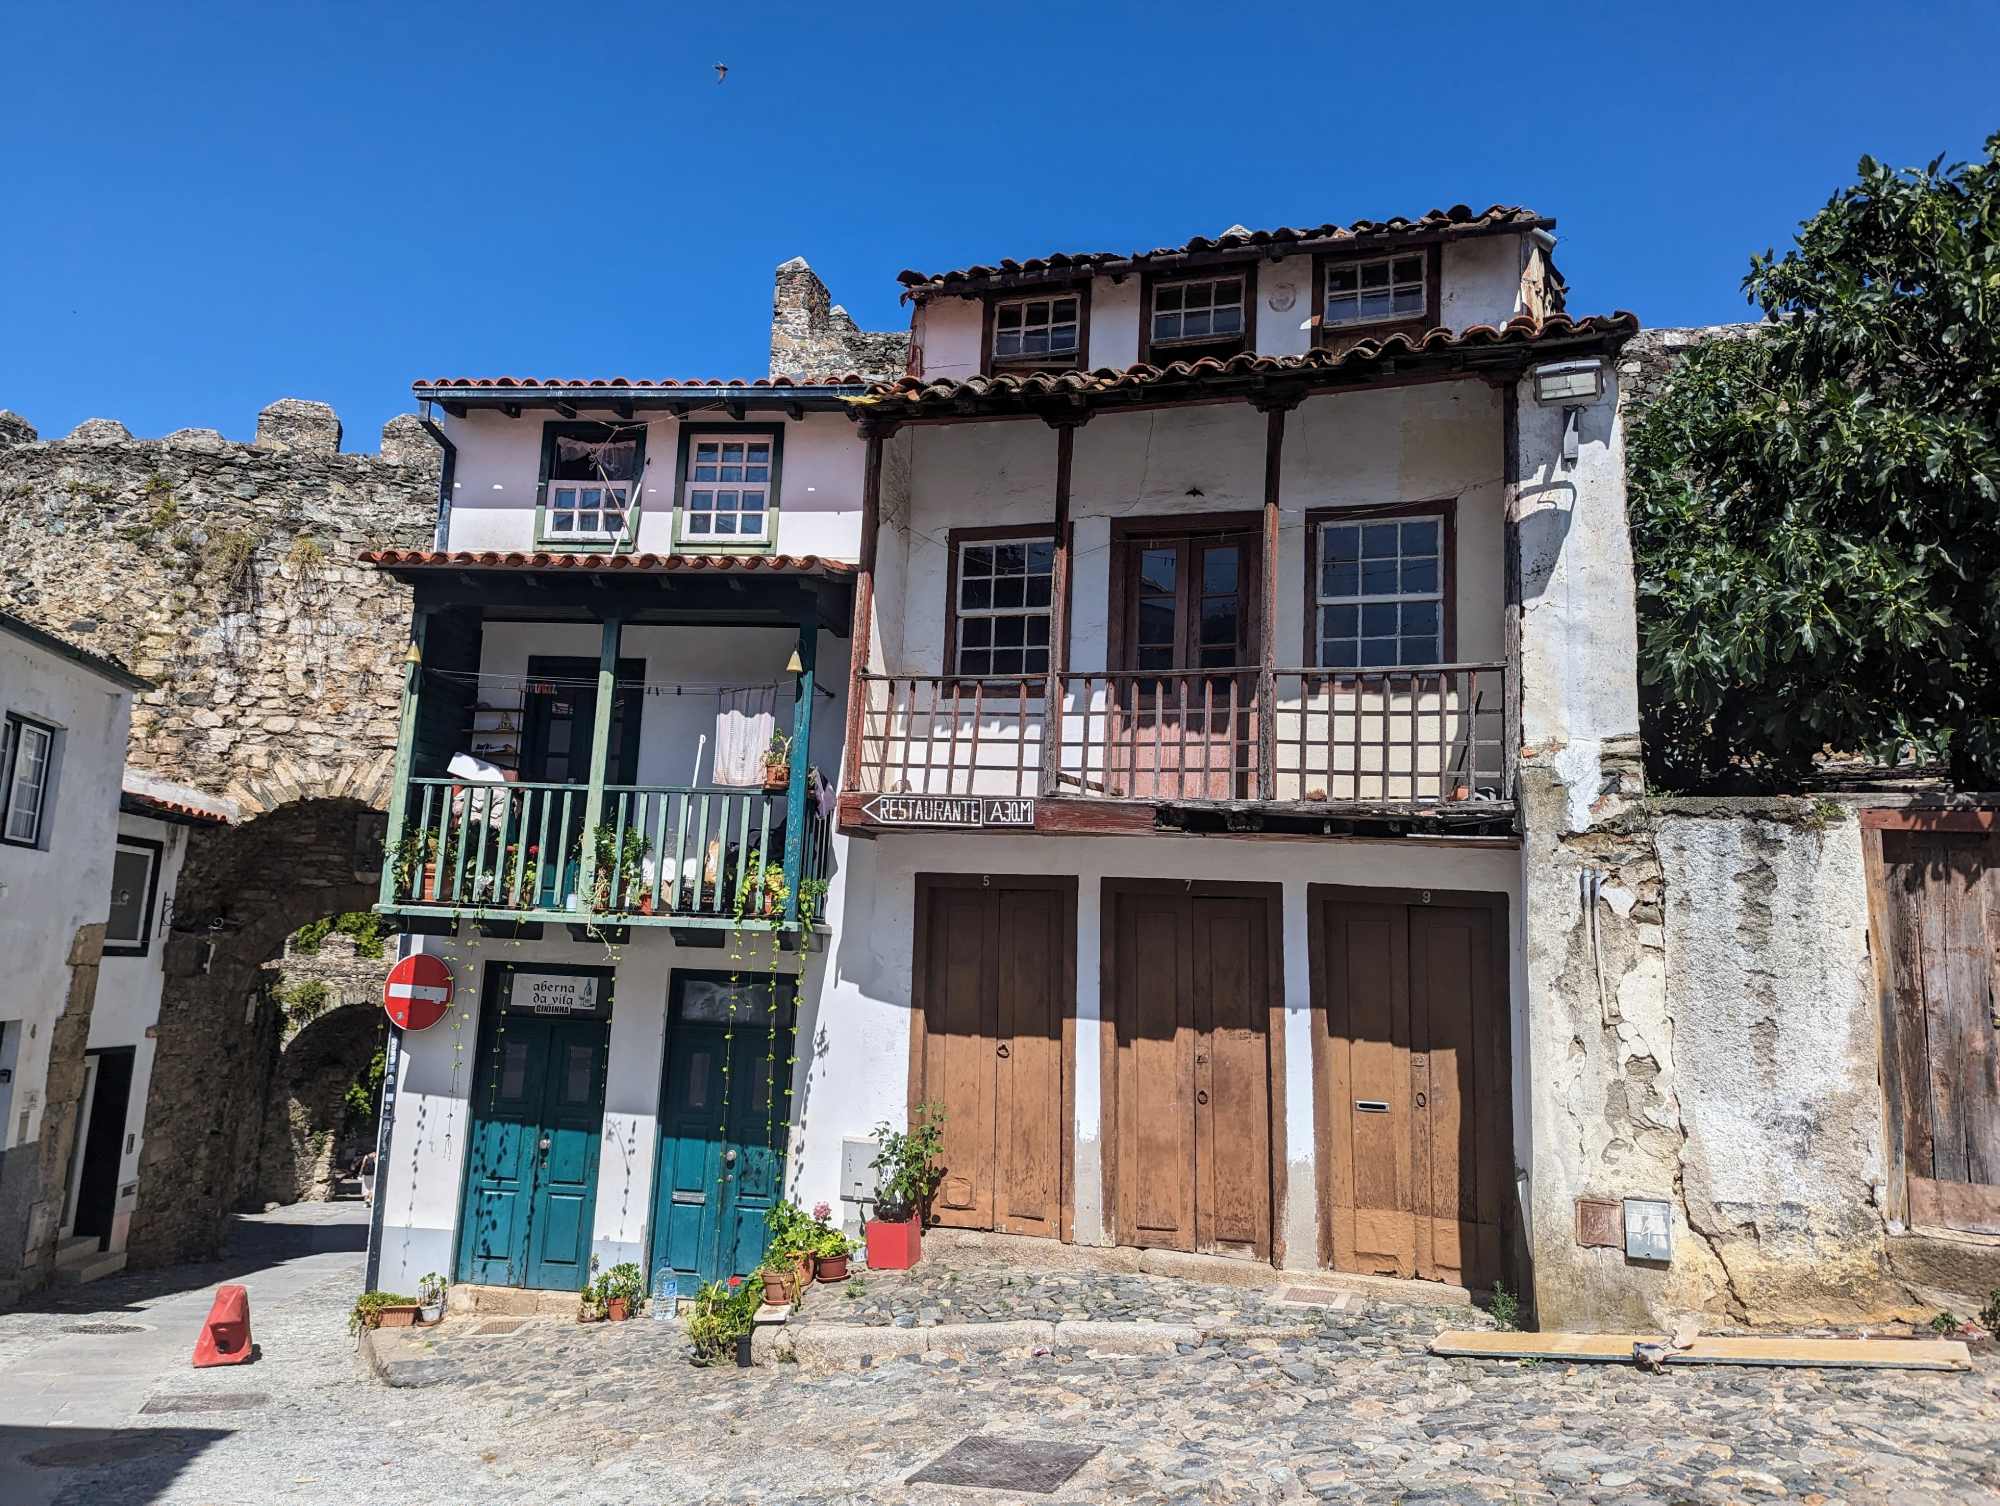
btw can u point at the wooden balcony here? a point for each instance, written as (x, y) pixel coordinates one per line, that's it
(1427, 746)
(659, 855)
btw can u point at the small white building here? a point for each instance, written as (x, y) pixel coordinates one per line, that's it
(64, 718)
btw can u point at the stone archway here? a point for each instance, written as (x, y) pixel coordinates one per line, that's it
(243, 890)
(312, 1125)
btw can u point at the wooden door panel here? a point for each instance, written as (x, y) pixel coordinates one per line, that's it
(960, 1005)
(566, 1180)
(687, 1203)
(1156, 1152)
(1450, 966)
(1232, 1075)
(1028, 1060)
(500, 1163)
(1367, 1013)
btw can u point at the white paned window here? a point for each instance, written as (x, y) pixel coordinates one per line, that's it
(1033, 328)
(1370, 292)
(1004, 589)
(727, 499)
(1211, 309)
(133, 868)
(1381, 593)
(25, 760)
(589, 509)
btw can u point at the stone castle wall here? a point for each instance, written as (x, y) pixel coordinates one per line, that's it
(226, 574)
(812, 336)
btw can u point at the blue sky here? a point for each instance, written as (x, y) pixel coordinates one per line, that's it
(210, 205)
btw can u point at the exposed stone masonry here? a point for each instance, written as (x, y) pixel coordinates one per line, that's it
(1650, 356)
(812, 336)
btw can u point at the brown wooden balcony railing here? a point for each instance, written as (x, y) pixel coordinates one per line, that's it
(1417, 737)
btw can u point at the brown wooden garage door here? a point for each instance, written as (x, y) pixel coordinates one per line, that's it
(993, 1034)
(1942, 1025)
(1193, 1044)
(1413, 1094)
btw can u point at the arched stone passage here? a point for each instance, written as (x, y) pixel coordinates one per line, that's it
(243, 890)
(310, 1127)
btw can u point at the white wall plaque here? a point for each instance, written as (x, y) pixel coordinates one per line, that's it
(1649, 1229)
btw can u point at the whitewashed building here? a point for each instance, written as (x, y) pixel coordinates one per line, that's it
(1166, 639)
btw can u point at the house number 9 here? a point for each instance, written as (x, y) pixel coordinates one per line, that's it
(1427, 896)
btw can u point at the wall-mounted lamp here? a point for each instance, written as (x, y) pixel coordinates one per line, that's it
(1569, 382)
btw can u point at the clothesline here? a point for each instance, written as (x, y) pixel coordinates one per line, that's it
(549, 684)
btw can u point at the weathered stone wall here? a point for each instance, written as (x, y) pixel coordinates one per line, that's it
(812, 336)
(1711, 1039)
(226, 574)
(1650, 356)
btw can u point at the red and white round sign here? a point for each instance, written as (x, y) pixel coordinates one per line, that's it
(418, 991)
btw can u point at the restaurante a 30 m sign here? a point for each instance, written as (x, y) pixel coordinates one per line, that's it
(962, 811)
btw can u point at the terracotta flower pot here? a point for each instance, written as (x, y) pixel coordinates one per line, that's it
(802, 1276)
(399, 1316)
(831, 1268)
(776, 777)
(618, 1309)
(777, 1289)
(429, 891)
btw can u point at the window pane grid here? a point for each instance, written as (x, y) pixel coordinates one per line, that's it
(1036, 327)
(1206, 310)
(588, 510)
(728, 492)
(1380, 593)
(27, 787)
(1004, 592)
(1365, 292)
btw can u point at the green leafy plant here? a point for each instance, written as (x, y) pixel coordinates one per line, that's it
(1946, 1322)
(907, 1161)
(792, 1233)
(366, 1090)
(624, 1280)
(365, 926)
(304, 1002)
(1989, 1315)
(722, 1314)
(367, 1309)
(778, 757)
(1503, 1307)
(609, 860)
(431, 1289)
(1815, 510)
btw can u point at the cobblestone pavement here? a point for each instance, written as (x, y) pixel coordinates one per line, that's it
(1354, 1411)
(945, 1291)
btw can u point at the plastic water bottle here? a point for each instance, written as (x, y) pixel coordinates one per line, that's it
(666, 1289)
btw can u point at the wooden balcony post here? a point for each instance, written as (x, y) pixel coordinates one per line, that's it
(1065, 426)
(600, 754)
(1275, 406)
(864, 599)
(406, 744)
(796, 791)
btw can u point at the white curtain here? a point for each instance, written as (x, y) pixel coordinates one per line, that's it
(743, 727)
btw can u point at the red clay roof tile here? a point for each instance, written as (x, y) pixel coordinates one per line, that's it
(493, 559)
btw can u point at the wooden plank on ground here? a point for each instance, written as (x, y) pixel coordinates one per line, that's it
(1613, 1348)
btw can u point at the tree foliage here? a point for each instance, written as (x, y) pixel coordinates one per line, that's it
(1814, 510)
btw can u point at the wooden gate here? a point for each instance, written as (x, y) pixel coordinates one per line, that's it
(1193, 1045)
(991, 1039)
(1413, 1091)
(1937, 919)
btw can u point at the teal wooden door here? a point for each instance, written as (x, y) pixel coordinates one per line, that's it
(531, 1165)
(721, 1156)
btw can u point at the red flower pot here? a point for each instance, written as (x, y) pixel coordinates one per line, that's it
(618, 1309)
(832, 1268)
(894, 1247)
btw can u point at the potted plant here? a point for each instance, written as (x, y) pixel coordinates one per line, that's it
(430, 1295)
(618, 871)
(778, 762)
(909, 1177)
(831, 1248)
(776, 1277)
(416, 865)
(791, 1245)
(721, 1322)
(382, 1310)
(619, 1292)
(764, 888)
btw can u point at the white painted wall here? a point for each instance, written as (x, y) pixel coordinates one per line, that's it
(128, 1006)
(1284, 306)
(46, 893)
(1114, 324)
(499, 460)
(1482, 280)
(860, 1065)
(950, 331)
(1405, 444)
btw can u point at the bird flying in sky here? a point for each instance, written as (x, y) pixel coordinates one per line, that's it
(721, 72)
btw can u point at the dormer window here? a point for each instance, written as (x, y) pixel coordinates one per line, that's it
(1037, 332)
(1192, 317)
(1382, 290)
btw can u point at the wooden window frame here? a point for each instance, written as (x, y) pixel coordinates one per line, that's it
(989, 365)
(1317, 518)
(16, 724)
(1151, 282)
(1126, 533)
(686, 543)
(1325, 334)
(955, 542)
(556, 429)
(157, 854)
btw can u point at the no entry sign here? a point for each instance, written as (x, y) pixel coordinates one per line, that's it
(418, 992)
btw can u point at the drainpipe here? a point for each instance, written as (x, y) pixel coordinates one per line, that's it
(447, 476)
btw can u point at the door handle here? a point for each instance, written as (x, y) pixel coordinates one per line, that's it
(543, 1145)
(729, 1156)
(1001, 1050)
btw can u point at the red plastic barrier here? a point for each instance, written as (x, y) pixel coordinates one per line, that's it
(225, 1337)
